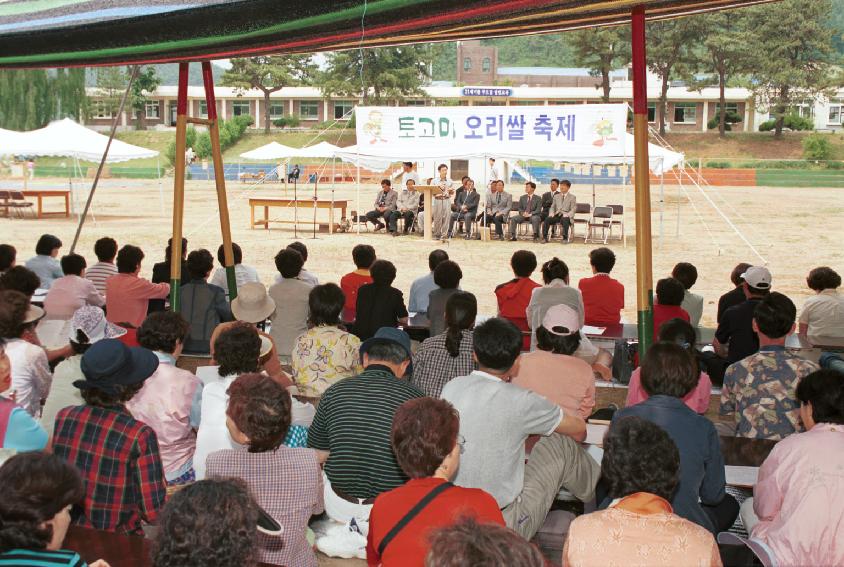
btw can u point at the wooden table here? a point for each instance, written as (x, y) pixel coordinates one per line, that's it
(40, 194)
(117, 550)
(306, 204)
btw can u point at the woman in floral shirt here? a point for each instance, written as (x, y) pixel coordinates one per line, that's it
(325, 354)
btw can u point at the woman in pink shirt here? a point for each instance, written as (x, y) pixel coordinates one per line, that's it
(127, 295)
(797, 509)
(682, 333)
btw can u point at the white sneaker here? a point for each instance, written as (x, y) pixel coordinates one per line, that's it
(340, 541)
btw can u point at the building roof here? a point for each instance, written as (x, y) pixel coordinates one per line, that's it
(557, 72)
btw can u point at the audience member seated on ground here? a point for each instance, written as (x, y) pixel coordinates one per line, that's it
(193, 533)
(243, 274)
(87, 326)
(556, 291)
(286, 483)
(603, 296)
(682, 333)
(641, 465)
(31, 376)
(8, 257)
(161, 272)
(363, 256)
(71, 291)
(496, 418)
(39, 491)
(759, 391)
(116, 454)
(823, 314)
(447, 276)
(669, 296)
(128, 295)
(237, 351)
(427, 447)
(552, 371)
(686, 274)
(797, 509)
(164, 402)
(290, 295)
(304, 274)
(449, 354)
(385, 203)
(670, 372)
(22, 279)
(421, 288)
(325, 354)
(735, 337)
(735, 296)
(106, 250)
(379, 303)
(203, 305)
(514, 296)
(44, 263)
(18, 430)
(252, 305)
(407, 206)
(471, 543)
(352, 428)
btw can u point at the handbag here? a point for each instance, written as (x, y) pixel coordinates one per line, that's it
(412, 513)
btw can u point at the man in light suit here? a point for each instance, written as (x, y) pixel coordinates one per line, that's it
(562, 211)
(466, 207)
(499, 210)
(406, 207)
(385, 203)
(530, 210)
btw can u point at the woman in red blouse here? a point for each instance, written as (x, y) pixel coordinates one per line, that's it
(427, 448)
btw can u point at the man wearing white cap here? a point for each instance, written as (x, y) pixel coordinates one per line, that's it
(735, 338)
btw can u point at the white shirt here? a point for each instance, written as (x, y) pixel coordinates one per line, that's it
(69, 293)
(305, 276)
(31, 377)
(62, 392)
(409, 175)
(824, 314)
(242, 274)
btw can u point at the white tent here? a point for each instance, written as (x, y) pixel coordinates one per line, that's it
(271, 151)
(320, 150)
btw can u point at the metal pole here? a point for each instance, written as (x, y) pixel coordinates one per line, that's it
(644, 265)
(679, 194)
(114, 123)
(661, 201)
(179, 187)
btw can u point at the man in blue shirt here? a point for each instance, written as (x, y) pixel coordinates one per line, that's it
(422, 287)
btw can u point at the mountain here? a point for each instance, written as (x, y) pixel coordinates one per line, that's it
(169, 74)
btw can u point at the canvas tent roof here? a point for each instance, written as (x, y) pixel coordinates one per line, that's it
(270, 151)
(320, 150)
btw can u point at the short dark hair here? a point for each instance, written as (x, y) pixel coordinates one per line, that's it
(13, 308)
(464, 178)
(553, 180)
(289, 263)
(436, 257)
(168, 250)
(407, 163)
(383, 272)
(774, 315)
(685, 273)
(200, 263)
(668, 369)
(116, 395)
(461, 310)
(448, 274)
(558, 344)
(603, 259)
(46, 244)
(565, 182)
(73, 264)
(129, 258)
(8, 255)
(824, 389)
(669, 291)
(468, 542)
(193, 533)
(237, 254)
(325, 303)
(735, 275)
(424, 433)
(497, 344)
(22, 279)
(678, 331)
(531, 184)
(237, 350)
(554, 269)
(823, 278)
(639, 456)
(300, 248)
(387, 182)
(442, 165)
(36, 487)
(363, 255)
(523, 263)
(161, 330)
(393, 353)
(105, 249)
(260, 408)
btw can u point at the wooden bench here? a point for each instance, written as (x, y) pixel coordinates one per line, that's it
(301, 205)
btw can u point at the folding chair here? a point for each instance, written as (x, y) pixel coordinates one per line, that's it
(580, 209)
(601, 219)
(5, 205)
(355, 219)
(19, 202)
(617, 219)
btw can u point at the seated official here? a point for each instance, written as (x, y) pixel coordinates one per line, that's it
(548, 198)
(353, 424)
(514, 296)
(21, 432)
(603, 296)
(379, 303)
(499, 204)
(797, 509)
(530, 210)
(385, 203)
(692, 303)
(823, 314)
(735, 337)
(669, 373)
(471, 543)
(44, 263)
(427, 447)
(406, 206)
(642, 467)
(243, 274)
(363, 255)
(447, 276)
(71, 291)
(736, 295)
(421, 288)
(669, 297)
(128, 295)
(562, 210)
(464, 209)
(258, 417)
(203, 305)
(496, 418)
(290, 295)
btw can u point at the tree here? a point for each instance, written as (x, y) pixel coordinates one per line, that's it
(670, 54)
(269, 74)
(29, 99)
(601, 50)
(146, 82)
(796, 41)
(379, 74)
(111, 82)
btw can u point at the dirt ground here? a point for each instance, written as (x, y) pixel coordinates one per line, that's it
(794, 230)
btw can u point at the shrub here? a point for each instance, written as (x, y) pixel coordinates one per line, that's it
(718, 164)
(732, 117)
(817, 147)
(202, 148)
(791, 121)
(287, 122)
(190, 142)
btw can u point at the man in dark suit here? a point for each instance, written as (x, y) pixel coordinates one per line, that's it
(548, 198)
(530, 207)
(466, 207)
(161, 273)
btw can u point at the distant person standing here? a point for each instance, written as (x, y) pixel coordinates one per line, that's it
(493, 172)
(441, 204)
(409, 173)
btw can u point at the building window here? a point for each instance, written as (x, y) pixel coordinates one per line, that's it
(564, 102)
(651, 112)
(835, 114)
(526, 103)
(414, 103)
(152, 110)
(241, 108)
(467, 64)
(276, 110)
(685, 112)
(343, 110)
(100, 109)
(730, 106)
(203, 109)
(309, 110)
(486, 65)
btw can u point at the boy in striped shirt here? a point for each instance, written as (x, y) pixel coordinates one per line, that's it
(105, 249)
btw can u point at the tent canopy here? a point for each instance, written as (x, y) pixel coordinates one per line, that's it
(102, 32)
(270, 151)
(69, 139)
(320, 150)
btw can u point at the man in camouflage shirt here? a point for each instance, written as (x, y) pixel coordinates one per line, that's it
(759, 390)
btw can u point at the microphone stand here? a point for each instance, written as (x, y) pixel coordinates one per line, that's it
(295, 209)
(315, 207)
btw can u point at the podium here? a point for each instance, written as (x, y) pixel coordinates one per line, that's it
(428, 191)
